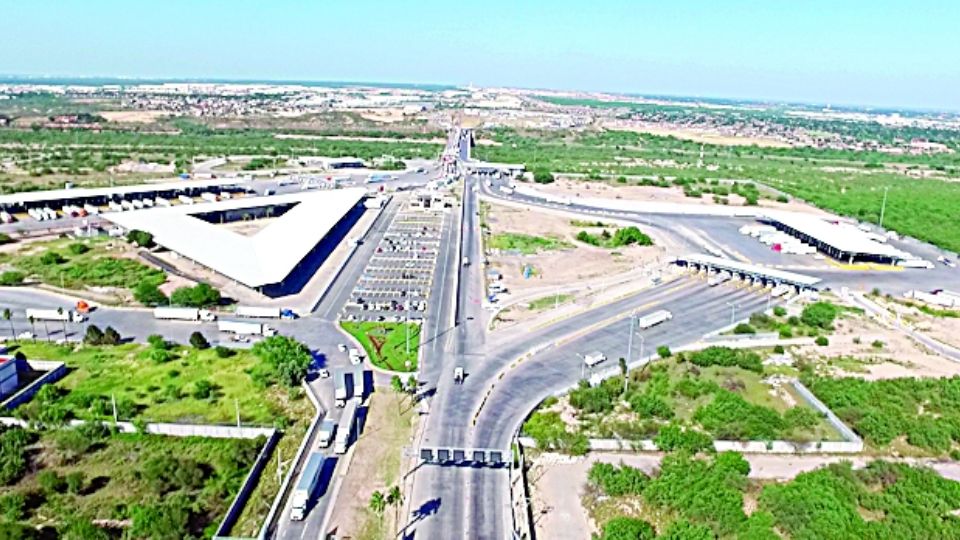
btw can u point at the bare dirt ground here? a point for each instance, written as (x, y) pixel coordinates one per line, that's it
(882, 353)
(563, 266)
(375, 466)
(607, 190)
(558, 514)
(943, 329)
(133, 117)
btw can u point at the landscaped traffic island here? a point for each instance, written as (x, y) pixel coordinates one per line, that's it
(392, 346)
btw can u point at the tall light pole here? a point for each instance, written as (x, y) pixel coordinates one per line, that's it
(633, 318)
(883, 207)
(733, 311)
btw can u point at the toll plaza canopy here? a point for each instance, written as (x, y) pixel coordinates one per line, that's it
(750, 270)
(59, 197)
(840, 240)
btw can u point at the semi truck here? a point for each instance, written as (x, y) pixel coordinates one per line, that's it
(654, 318)
(340, 387)
(327, 430)
(345, 431)
(306, 486)
(262, 312)
(359, 389)
(245, 328)
(55, 315)
(183, 314)
(266, 312)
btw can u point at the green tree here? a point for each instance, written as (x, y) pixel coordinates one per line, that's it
(111, 337)
(819, 315)
(11, 278)
(283, 360)
(201, 295)
(148, 293)
(542, 175)
(627, 528)
(166, 520)
(663, 352)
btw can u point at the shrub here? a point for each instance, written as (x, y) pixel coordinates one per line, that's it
(111, 337)
(744, 328)
(779, 311)
(663, 351)
(50, 482)
(74, 482)
(202, 389)
(819, 315)
(197, 341)
(822, 341)
(627, 528)
(542, 175)
(223, 352)
(140, 238)
(674, 437)
(94, 335)
(11, 278)
(78, 249)
(725, 356)
(51, 258)
(13, 461)
(12, 506)
(5, 239)
(800, 418)
(877, 344)
(617, 481)
(647, 405)
(778, 349)
(156, 341)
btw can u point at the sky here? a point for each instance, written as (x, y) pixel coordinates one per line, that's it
(851, 52)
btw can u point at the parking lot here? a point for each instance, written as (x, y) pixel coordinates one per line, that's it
(395, 285)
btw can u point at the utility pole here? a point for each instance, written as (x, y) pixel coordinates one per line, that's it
(633, 318)
(883, 207)
(113, 400)
(236, 404)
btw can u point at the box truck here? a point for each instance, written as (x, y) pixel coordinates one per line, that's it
(327, 430)
(654, 319)
(345, 431)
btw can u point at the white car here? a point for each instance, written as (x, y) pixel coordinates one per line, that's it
(25, 335)
(341, 347)
(324, 374)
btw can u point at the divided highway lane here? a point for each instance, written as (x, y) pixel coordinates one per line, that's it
(476, 501)
(558, 368)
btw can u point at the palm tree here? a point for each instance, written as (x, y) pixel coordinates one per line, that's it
(397, 386)
(63, 321)
(378, 503)
(8, 316)
(623, 371)
(33, 327)
(395, 499)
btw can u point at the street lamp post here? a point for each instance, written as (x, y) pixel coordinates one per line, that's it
(733, 311)
(883, 207)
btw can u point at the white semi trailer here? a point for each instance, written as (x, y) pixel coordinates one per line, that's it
(345, 431)
(183, 314)
(307, 484)
(245, 328)
(258, 312)
(55, 315)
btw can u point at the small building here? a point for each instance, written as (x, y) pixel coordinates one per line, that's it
(8, 376)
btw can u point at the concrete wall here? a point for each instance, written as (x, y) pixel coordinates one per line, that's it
(249, 484)
(54, 372)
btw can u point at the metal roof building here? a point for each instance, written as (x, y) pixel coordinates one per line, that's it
(840, 240)
(305, 228)
(58, 197)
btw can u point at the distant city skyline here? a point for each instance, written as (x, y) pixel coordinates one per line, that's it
(881, 54)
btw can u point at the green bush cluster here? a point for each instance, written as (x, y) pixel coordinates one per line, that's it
(625, 236)
(725, 356)
(550, 432)
(283, 360)
(200, 295)
(925, 411)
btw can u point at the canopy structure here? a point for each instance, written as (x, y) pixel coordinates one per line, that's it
(265, 258)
